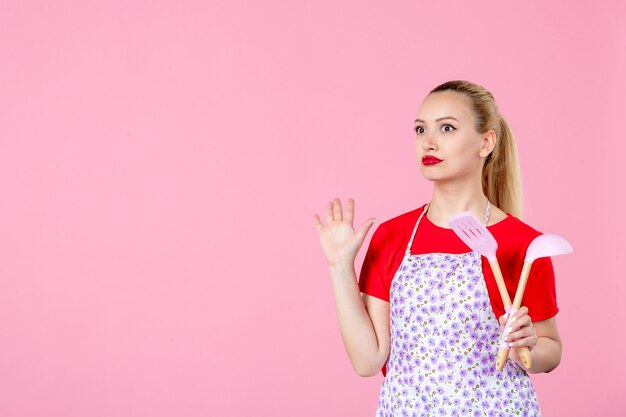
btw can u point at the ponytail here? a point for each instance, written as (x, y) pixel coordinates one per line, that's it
(501, 178)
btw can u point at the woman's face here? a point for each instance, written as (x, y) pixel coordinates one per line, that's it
(445, 129)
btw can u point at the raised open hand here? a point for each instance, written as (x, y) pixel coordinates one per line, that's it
(340, 242)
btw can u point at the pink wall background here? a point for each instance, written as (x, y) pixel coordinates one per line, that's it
(161, 162)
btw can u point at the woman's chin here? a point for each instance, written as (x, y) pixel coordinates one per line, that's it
(438, 178)
(431, 177)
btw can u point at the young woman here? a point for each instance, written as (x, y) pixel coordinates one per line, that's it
(431, 316)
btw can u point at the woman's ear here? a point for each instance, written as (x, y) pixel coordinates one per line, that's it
(489, 142)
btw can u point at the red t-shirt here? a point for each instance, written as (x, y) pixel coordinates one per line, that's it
(389, 241)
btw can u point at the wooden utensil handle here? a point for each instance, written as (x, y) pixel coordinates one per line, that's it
(503, 353)
(497, 274)
(521, 286)
(524, 353)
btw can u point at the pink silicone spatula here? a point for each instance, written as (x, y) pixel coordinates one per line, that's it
(541, 247)
(475, 235)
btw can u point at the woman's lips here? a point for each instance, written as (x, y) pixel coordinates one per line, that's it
(430, 160)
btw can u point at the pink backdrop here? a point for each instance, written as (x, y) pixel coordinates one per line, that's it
(161, 162)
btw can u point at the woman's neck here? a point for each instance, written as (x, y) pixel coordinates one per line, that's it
(451, 198)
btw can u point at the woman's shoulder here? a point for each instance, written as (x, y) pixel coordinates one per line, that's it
(400, 221)
(399, 227)
(515, 231)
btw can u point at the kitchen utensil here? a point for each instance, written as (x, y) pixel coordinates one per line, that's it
(475, 235)
(541, 247)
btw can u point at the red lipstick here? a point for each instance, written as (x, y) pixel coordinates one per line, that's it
(430, 160)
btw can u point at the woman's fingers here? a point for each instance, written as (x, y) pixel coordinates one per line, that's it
(340, 242)
(329, 212)
(334, 212)
(362, 232)
(529, 342)
(349, 217)
(520, 318)
(318, 223)
(520, 331)
(337, 209)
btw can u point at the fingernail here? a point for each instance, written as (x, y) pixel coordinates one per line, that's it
(505, 338)
(510, 344)
(513, 319)
(508, 329)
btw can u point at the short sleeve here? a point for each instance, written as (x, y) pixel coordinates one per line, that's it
(540, 293)
(373, 273)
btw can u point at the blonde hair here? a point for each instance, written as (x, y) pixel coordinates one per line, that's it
(501, 177)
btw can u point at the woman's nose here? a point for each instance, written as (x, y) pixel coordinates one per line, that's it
(429, 142)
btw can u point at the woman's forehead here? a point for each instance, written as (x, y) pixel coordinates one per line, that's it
(444, 104)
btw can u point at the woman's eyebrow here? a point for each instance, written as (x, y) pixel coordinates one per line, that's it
(441, 118)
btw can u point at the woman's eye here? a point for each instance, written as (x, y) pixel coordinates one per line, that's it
(419, 129)
(444, 126)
